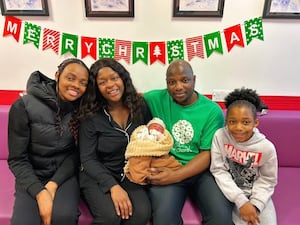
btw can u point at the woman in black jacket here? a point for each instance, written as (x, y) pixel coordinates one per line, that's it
(115, 109)
(42, 135)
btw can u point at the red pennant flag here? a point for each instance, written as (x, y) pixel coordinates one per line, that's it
(88, 47)
(51, 40)
(194, 47)
(157, 52)
(233, 36)
(12, 26)
(123, 50)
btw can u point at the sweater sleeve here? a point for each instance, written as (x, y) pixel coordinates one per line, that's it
(18, 141)
(223, 178)
(67, 169)
(92, 166)
(212, 124)
(264, 186)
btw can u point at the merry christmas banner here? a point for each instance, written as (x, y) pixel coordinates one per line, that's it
(165, 51)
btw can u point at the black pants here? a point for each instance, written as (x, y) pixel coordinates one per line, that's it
(102, 208)
(65, 209)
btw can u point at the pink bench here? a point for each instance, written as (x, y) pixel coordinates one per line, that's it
(281, 127)
(190, 215)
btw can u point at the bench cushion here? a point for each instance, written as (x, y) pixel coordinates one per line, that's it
(7, 189)
(287, 196)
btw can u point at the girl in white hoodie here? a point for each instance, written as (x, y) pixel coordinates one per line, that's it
(244, 162)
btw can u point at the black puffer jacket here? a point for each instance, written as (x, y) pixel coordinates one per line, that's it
(41, 147)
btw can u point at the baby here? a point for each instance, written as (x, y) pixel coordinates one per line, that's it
(149, 146)
(153, 131)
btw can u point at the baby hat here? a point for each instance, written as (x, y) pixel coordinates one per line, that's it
(138, 147)
(158, 121)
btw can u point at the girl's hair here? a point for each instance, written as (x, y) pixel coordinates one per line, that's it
(66, 62)
(74, 121)
(244, 97)
(94, 99)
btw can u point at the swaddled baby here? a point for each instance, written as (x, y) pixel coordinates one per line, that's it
(149, 146)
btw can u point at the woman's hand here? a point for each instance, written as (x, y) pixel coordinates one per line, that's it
(121, 201)
(51, 186)
(249, 213)
(45, 204)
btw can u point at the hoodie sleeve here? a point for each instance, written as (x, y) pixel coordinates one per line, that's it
(18, 140)
(219, 170)
(264, 186)
(67, 169)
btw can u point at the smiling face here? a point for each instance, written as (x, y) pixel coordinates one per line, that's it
(110, 85)
(181, 83)
(240, 122)
(72, 81)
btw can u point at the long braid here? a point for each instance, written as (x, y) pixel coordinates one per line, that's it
(58, 124)
(74, 121)
(74, 126)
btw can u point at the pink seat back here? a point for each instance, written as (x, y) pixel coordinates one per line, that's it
(282, 127)
(4, 110)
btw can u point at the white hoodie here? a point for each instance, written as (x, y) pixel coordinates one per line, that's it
(244, 170)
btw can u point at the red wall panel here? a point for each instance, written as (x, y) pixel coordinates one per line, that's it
(7, 97)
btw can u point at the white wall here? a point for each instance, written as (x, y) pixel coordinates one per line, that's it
(269, 66)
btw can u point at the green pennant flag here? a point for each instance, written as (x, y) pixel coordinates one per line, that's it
(213, 43)
(140, 52)
(69, 44)
(175, 50)
(254, 29)
(32, 33)
(106, 47)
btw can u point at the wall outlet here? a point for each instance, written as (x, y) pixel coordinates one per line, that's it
(219, 95)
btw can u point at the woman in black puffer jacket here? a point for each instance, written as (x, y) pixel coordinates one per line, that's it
(43, 156)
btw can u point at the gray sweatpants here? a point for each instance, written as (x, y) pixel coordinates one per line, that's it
(267, 216)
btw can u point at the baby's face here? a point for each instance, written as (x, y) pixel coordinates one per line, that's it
(156, 126)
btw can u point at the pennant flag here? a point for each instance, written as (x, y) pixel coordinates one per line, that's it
(32, 33)
(69, 44)
(51, 40)
(88, 47)
(194, 47)
(140, 52)
(12, 27)
(213, 43)
(254, 29)
(175, 50)
(106, 47)
(157, 52)
(233, 36)
(123, 50)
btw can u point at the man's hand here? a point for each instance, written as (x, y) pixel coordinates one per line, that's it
(121, 201)
(162, 176)
(45, 204)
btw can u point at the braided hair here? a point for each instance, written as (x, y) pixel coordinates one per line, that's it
(74, 121)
